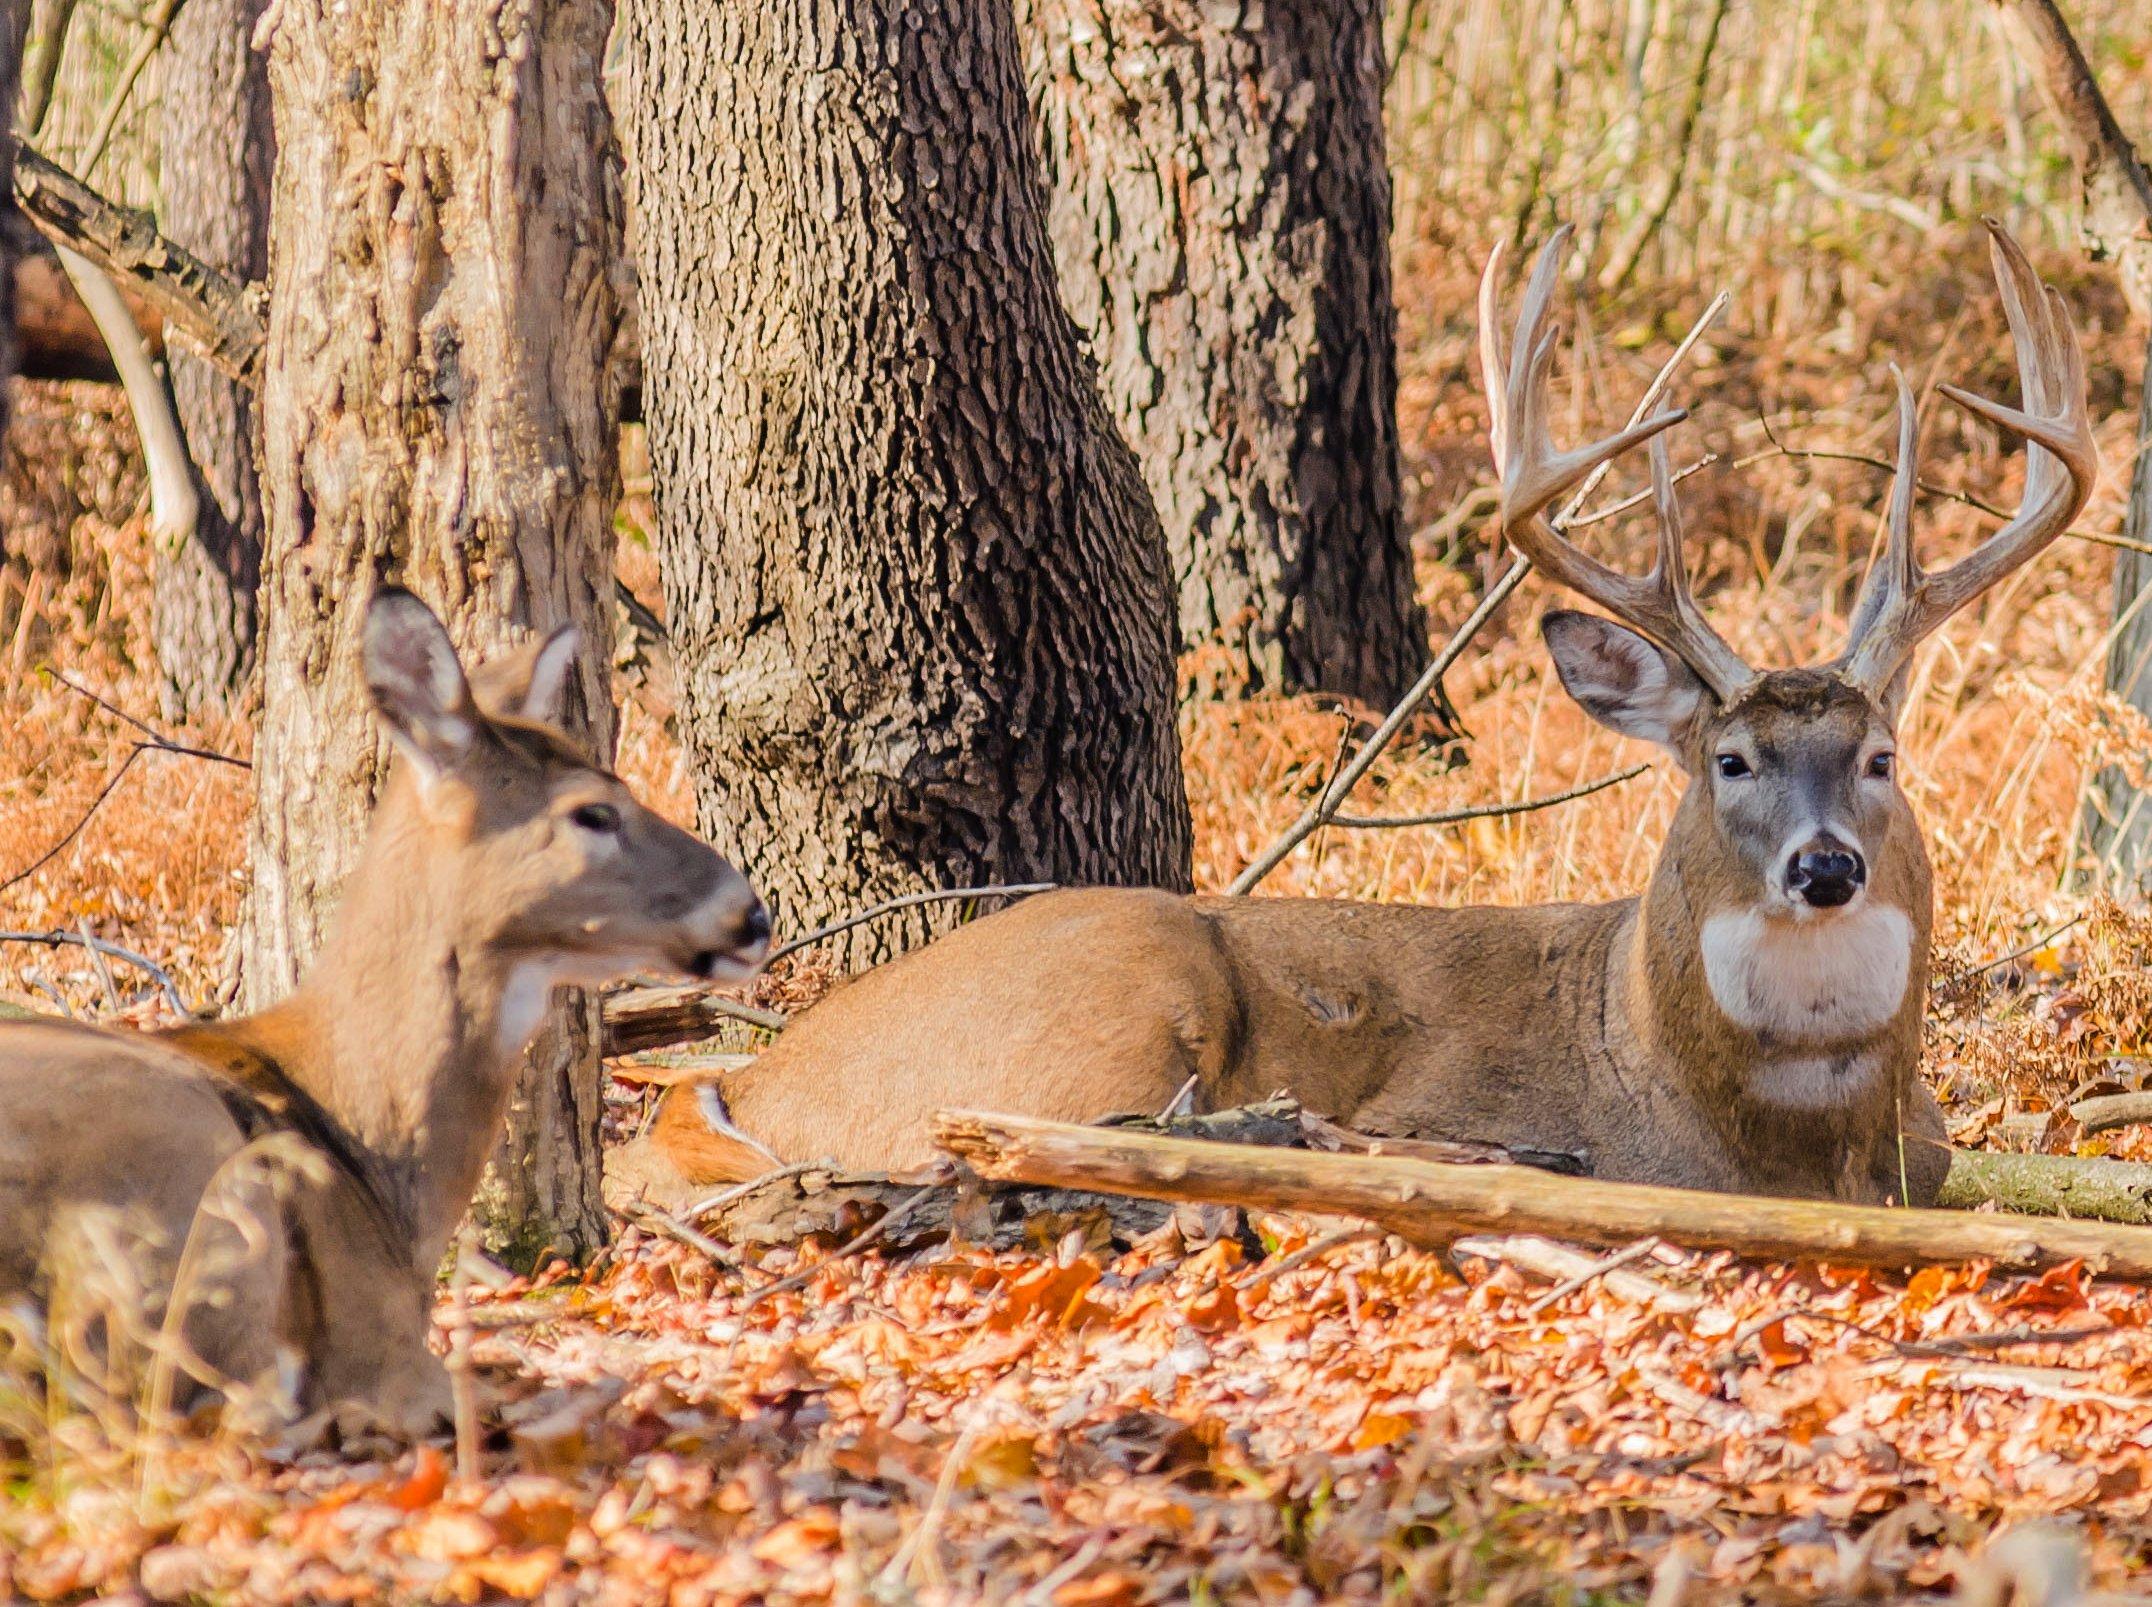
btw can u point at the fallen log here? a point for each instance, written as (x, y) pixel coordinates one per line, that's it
(1432, 1203)
(2049, 1185)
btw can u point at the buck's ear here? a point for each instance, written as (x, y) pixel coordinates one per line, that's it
(1625, 682)
(416, 682)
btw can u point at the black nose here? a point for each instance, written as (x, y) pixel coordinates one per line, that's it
(1826, 877)
(755, 925)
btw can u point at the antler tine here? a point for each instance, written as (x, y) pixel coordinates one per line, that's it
(2062, 466)
(1896, 571)
(1535, 476)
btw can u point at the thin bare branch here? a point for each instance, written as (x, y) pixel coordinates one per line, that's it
(908, 901)
(1451, 817)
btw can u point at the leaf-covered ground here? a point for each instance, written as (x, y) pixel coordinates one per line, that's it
(1185, 1421)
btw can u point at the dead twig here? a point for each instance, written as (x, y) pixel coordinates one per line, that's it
(908, 901)
(657, 1221)
(153, 741)
(1598, 1269)
(1951, 983)
(894, 1217)
(1307, 1253)
(740, 1191)
(99, 947)
(1779, 449)
(1451, 817)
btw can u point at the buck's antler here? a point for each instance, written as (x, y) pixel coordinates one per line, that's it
(1535, 475)
(1900, 603)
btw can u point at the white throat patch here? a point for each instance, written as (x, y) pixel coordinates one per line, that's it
(1813, 981)
(529, 990)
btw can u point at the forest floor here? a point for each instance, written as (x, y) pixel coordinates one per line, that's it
(1186, 1420)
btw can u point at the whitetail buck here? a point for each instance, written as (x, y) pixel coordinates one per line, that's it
(500, 864)
(1752, 1022)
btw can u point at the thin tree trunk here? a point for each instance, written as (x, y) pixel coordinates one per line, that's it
(218, 150)
(439, 408)
(917, 591)
(2115, 223)
(1221, 218)
(14, 29)
(2118, 814)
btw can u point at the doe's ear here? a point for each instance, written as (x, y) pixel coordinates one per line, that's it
(529, 682)
(1625, 682)
(416, 682)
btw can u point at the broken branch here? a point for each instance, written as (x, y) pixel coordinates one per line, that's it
(224, 318)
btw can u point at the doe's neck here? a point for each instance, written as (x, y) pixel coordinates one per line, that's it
(408, 1031)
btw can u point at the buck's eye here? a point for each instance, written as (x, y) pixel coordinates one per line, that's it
(1733, 767)
(1881, 765)
(598, 817)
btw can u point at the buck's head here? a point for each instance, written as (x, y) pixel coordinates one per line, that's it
(1793, 810)
(548, 862)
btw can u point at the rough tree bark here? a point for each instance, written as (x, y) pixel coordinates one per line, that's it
(917, 590)
(439, 408)
(217, 152)
(1221, 217)
(14, 27)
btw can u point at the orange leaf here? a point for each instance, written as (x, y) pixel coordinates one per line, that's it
(1053, 1292)
(1114, 1589)
(520, 1575)
(429, 1477)
(798, 1541)
(1218, 1308)
(2060, 1288)
(1378, 1429)
(1779, 1348)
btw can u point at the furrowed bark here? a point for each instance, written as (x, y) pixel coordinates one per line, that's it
(1432, 1204)
(916, 589)
(14, 27)
(1221, 220)
(217, 153)
(439, 409)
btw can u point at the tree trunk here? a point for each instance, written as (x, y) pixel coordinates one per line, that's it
(1221, 217)
(218, 149)
(439, 409)
(14, 26)
(2118, 815)
(917, 591)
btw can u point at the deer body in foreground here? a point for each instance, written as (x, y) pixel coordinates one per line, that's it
(297, 1174)
(1751, 1022)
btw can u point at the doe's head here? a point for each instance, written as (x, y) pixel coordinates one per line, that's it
(548, 858)
(1793, 770)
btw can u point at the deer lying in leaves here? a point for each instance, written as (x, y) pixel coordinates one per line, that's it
(287, 1183)
(1752, 1022)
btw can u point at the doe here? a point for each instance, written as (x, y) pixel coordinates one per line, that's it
(289, 1181)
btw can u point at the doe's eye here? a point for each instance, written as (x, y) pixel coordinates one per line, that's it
(598, 817)
(1882, 765)
(1733, 767)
